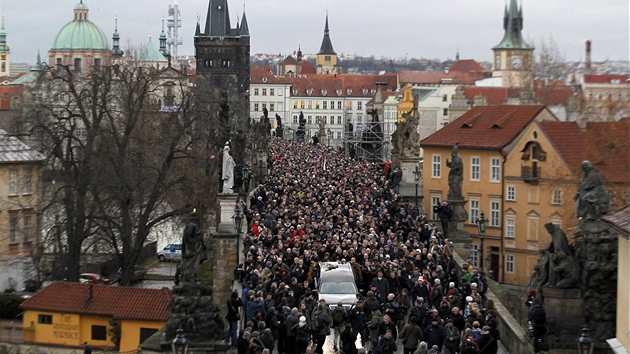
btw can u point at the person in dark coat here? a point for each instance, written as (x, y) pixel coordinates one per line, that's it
(388, 325)
(434, 334)
(272, 322)
(302, 331)
(396, 179)
(242, 343)
(357, 319)
(444, 212)
(487, 344)
(388, 343)
(267, 340)
(232, 317)
(348, 345)
(382, 287)
(291, 321)
(451, 337)
(325, 321)
(411, 335)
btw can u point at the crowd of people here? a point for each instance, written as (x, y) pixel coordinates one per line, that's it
(319, 205)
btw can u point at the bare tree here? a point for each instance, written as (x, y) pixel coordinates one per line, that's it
(123, 162)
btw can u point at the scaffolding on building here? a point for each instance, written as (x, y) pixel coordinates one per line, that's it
(367, 141)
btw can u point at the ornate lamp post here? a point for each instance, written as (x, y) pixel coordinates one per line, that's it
(180, 343)
(481, 226)
(261, 155)
(417, 174)
(585, 344)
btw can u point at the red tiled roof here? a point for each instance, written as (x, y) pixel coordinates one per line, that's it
(604, 79)
(548, 95)
(437, 77)
(619, 218)
(257, 73)
(307, 68)
(117, 301)
(290, 61)
(484, 127)
(359, 85)
(604, 144)
(465, 65)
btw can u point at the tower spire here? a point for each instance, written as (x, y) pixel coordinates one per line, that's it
(163, 49)
(244, 29)
(513, 26)
(116, 52)
(326, 47)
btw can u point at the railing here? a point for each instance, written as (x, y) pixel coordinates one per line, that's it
(530, 173)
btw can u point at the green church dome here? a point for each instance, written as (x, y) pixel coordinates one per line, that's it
(80, 34)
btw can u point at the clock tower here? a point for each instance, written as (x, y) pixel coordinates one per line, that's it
(5, 52)
(513, 58)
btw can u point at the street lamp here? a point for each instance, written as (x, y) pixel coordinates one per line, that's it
(328, 135)
(180, 343)
(238, 221)
(416, 177)
(481, 226)
(261, 154)
(246, 176)
(585, 344)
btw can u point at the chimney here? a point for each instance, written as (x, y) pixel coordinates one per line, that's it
(588, 55)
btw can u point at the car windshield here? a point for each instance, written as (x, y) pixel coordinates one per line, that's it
(338, 288)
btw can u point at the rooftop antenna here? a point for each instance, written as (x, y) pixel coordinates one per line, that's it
(174, 23)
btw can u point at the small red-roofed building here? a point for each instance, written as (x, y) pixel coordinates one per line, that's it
(606, 97)
(70, 314)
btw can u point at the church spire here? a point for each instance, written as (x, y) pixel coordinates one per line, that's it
(116, 52)
(244, 30)
(513, 26)
(163, 49)
(326, 47)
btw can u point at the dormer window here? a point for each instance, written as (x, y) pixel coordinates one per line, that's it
(365, 91)
(309, 92)
(264, 79)
(373, 91)
(349, 91)
(295, 92)
(324, 92)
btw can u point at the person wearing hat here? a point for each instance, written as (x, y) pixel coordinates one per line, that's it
(302, 331)
(410, 335)
(267, 339)
(374, 324)
(487, 344)
(531, 295)
(451, 337)
(434, 333)
(357, 318)
(419, 310)
(387, 342)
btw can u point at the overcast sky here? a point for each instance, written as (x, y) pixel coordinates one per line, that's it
(394, 28)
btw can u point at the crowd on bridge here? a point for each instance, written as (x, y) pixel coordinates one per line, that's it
(319, 205)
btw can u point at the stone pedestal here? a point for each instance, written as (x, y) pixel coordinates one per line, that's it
(565, 315)
(226, 250)
(456, 223)
(227, 202)
(192, 308)
(407, 166)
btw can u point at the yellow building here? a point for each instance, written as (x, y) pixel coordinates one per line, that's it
(486, 136)
(522, 169)
(619, 222)
(20, 176)
(70, 314)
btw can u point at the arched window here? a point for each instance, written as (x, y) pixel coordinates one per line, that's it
(4, 67)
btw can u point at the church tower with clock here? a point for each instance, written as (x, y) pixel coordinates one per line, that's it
(513, 57)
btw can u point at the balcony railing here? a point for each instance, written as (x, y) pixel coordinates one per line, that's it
(530, 174)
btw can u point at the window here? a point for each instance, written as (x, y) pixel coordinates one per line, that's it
(332, 104)
(301, 104)
(435, 200)
(359, 106)
(318, 119)
(474, 255)
(295, 119)
(332, 120)
(338, 135)
(310, 105)
(445, 112)
(145, 333)
(44, 319)
(317, 104)
(272, 92)
(436, 167)
(13, 183)
(264, 106)
(255, 107)
(509, 263)
(272, 107)
(349, 105)
(556, 197)
(13, 223)
(511, 193)
(97, 64)
(325, 105)
(77, 65)
(227, 64)
(256, 92)
(26, 229)
(444, 98)
(475, 166)
(339, 121)
(626, 196)
(495, 169)
(474, 210)
(264, 92)
(359, 117)
(494, 214)
(339, 105)
(295, 104)
(99, 332)
(309, 120)
(326, 57)
(509, 228)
